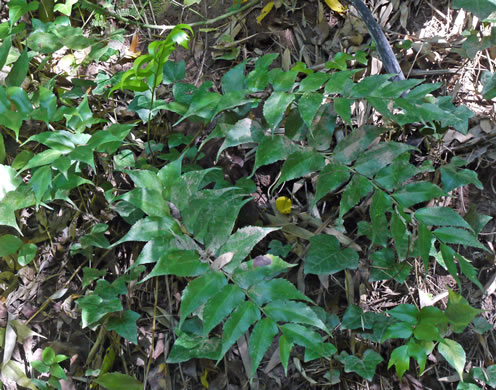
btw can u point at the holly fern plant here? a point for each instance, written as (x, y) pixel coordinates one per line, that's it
(178, 212)
(186, 215)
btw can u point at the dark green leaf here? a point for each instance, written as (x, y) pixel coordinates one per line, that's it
(381, 202)
(243, 317)
(242, 132)
(459, 312)
(440, 216)
(414, 193)
(9, 245)
(347, 150)
(480, 8)
(284, 352)
(19, 71)
(233, 80)
(452, 178)
(266, 267)
(174, 71)
(273, 148)
(178, 262)
(199, 291)
(400, 235)
(188, 347)
(260, 340)
(400, 359)
(454, 355)
(385, 267)
(299, 164)
(275, 289)
(117, 381)
(311, 340)
(308, 105)
(451, 235)
(358, 188)
(313, 82)
(291, 311)
(365, 367)
(379, 156)
(321, 128)
(326, 257)
(330, 179)
(149, 228)
(398, 330)
(125, 325)
(343, 108)
(419, 350)
(94, 307)
(220, 306)
(406, 313)
(241, 244)
(275, 107)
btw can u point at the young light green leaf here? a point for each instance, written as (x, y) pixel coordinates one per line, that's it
(275, 107)
(291, 311)
(365, 367)
(220, 306)
(199, 291)
(178, 262)
(260, 340)
(358, 187)
(245, 315)
(299, 164)
(326, 257)
(414, 193)
(400, 359)
(347, 150)
(454, 355)
(275, 289)
(330, 179)
(125, 325)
